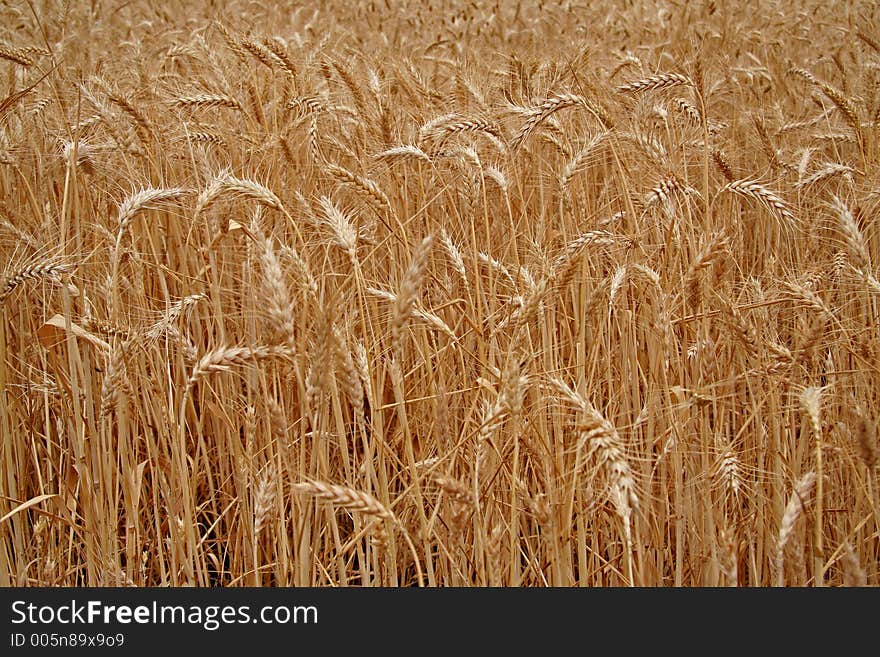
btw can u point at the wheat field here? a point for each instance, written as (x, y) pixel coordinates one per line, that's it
(399, 293)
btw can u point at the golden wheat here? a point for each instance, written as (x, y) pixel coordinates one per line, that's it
(515, 310)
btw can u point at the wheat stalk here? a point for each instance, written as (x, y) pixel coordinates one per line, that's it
(764, 195)
(828, 171)
(855, 242)
(279, 303)
(142, 200)
(442, 128)
(364, 187)
(865, 437)
(277, 53)
(251, 189)
(222, 359)
(347, 498)
(541, 112)
(853, 573)
(455, 490)
(208, 100)
(799, 499)
(454, 254)
(344, 231)
(264, 499)
(600, 439)
(403, 152)
(349, 377)
(578, 161)
(32, 271)
(405, 300)
(16, 56)
(655, 82)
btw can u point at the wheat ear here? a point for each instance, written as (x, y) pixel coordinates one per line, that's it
(759, 192)
(536, 115)
(409, 291)
(654, 82)
(32, 271)
(223, 359)
(360, 502)
(798, 500)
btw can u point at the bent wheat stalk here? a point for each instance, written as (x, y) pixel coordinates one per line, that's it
(360, 502)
